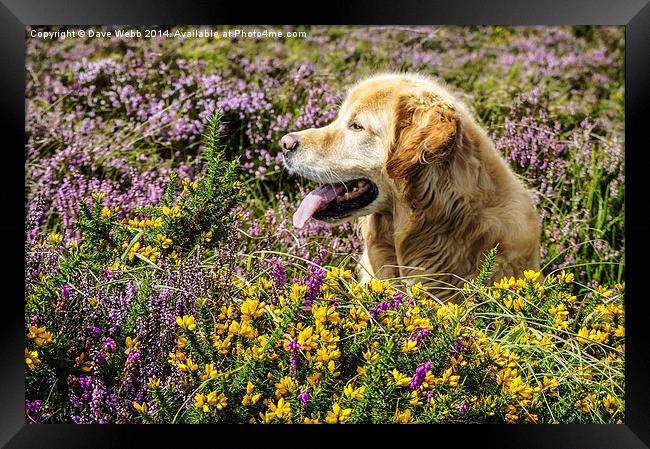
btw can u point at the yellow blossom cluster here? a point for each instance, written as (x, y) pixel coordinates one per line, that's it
(148, 251)
(212, 399)
(109, 212)
(144, 223)
(171, 212)
(39, 335)
(31, 359)
(189, 186)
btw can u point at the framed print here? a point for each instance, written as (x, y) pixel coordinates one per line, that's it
(368, 217)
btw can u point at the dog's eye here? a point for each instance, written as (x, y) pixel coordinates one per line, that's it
(355, 126)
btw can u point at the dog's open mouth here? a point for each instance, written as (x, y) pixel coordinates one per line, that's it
(335, 201)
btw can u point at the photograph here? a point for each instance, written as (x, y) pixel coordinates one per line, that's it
(324, 224)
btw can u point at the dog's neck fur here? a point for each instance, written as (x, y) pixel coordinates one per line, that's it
(440, 204)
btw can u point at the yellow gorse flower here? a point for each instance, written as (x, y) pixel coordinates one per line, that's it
(338, 415)
(251, 308)
(352, 393)
(219, 401)
(187, 365)
(606, 293)
(403, 417)
(189, 186)
(358, 319)
(564, 277)
(610, 403)
(510, 283)
(172, 212)
(250, 398)
(222, 346)
(561, 315)
(187, 322)
(142, 408)
(448, 378)
(209, 372)
(297, 291)
(409, 345)
(531, 275)
(338, 273)
(131, 344)
(109, 212)
(377, 286)
(515, 303)
(201, 402)
(40, 335)
(143, 223)
(592, 335)
(148, 251)
(285, 386)
(164, 241)
(619, 331)
(81, 363)
(400, 379)
(281, 409)
(325, 313)
(31, 359)
(306, 339)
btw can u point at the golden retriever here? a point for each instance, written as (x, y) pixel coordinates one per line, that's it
(433, 194)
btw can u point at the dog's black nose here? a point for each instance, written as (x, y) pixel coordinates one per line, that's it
(289, 142)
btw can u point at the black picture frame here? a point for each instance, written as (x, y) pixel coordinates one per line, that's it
(16, 14)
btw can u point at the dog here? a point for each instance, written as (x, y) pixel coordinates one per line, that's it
(433, 195)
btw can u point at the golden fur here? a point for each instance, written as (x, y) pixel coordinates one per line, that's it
(446, 196)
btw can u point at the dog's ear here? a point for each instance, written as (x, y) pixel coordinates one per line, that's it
(426, 127)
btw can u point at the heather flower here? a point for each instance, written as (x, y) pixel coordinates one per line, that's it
(278, 272)
(420, 373)
(65, 291)
(108, 344)
(304, 397)
(33, 410)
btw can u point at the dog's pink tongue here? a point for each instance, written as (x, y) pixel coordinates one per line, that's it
(315, 201)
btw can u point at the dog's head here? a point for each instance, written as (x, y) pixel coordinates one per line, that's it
(388, 128)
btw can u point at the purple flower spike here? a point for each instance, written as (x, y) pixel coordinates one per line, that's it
(420, 374)
(304, 397)
(85, 382)
(108, 344)
(66, 290)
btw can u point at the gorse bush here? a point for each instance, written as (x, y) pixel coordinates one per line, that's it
(165, 282)
(151, 318)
